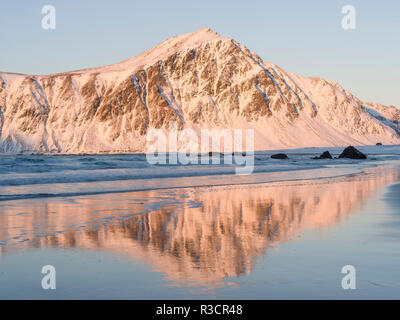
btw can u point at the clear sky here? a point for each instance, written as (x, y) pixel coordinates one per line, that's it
(304, 37)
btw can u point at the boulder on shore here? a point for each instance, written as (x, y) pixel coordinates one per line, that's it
(379, 144)
(352, 153)
(325, 155)
(280, 156)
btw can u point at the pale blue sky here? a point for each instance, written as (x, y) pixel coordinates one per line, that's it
(304, 37)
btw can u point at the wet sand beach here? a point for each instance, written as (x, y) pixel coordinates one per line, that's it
(286, 239)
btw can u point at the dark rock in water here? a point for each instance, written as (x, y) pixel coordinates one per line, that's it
(352, 153)
(379, 144)
(239, 153)
(325, 155)
(280, 156)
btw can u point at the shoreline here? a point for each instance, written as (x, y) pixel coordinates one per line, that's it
(121, 152)
(203, 181)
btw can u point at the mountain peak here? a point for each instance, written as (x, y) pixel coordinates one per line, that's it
(205, 31)
(201, 35)
(198, 80)
(174, 45)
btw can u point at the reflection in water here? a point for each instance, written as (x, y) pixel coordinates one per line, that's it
(195, 234)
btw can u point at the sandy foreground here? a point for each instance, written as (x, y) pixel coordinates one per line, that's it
(264, 240)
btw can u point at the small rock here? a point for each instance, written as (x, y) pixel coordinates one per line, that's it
(325, 155)
(280, 156)
(242, 153)
(379, 144)
(352, 153)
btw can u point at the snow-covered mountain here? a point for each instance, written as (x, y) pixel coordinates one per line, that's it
(199, 80)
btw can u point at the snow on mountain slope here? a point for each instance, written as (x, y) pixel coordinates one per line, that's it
(200, 80)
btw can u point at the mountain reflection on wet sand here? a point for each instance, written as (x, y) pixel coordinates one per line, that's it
(202, 235)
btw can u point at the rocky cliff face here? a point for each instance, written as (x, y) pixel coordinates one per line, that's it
(199, 80)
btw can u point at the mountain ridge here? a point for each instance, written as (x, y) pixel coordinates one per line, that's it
(199, 80)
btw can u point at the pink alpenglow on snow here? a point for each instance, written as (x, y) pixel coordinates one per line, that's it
(200, 81)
